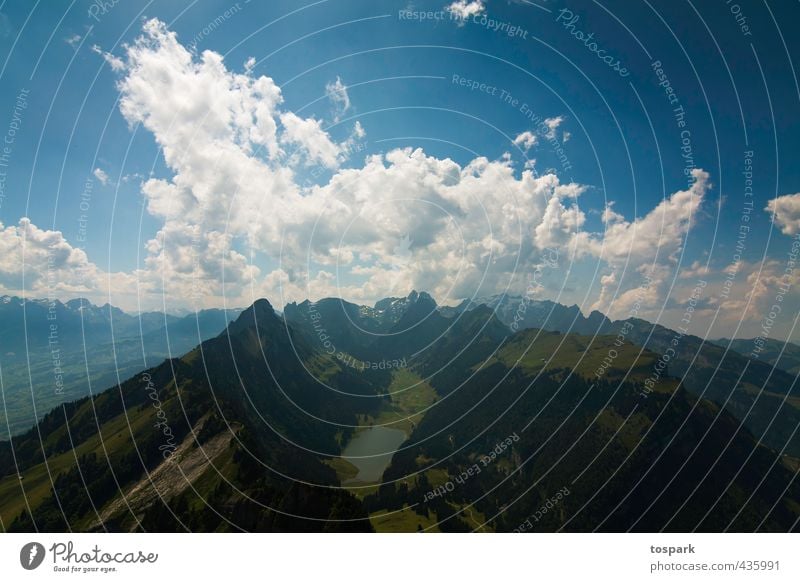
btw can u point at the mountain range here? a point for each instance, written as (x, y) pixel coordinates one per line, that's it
(501, 405)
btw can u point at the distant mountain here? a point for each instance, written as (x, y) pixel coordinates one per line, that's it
(783, 355)
(53, 352)
(335, 325)
(393, 328)
(365, 332)
(525, 313)
(392, 309)
(44, 323)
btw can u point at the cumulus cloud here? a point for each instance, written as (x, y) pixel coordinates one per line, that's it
(466, 223)
(42, 263)
(101, 176)
(239, 220)
(311, 138)
(526, 140)
(751, 289)
(696, 270)
(552, 124)
(230, 148)
(196, 266)
(647, 248)
(41, 250)
(115, 63)
(786, 213)
(337, 94)
(185, 266)
(660, 232)
(463, 9)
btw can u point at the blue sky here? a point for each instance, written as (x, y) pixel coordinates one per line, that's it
(400, 79)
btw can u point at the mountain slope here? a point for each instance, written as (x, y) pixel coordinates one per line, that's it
(247, 432)
(783, 355)
(761, 397)
(228, 398)
(534, 421)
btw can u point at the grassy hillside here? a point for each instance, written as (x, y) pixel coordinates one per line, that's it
(246, 432)
(630, 458)
(164, 451)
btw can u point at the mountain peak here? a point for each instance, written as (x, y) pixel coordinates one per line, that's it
(420, 296)
(386, 303)
(262, 306)
(258, 314)
(77, 303)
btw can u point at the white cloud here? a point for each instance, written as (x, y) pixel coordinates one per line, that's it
(750, 290)
(229, 146)
(42, 263)
(648, 246)
(115, 63)
(339, 98)
(526, 140)
(101, 176)
(659, 232)
(195, 265)
(73, 40)
(185, 266)
(403, 220)
(786, 211)
(313, 140)
(696, 270)
(463, 9)
(358, 131)
(131, 177)
(552, 124)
